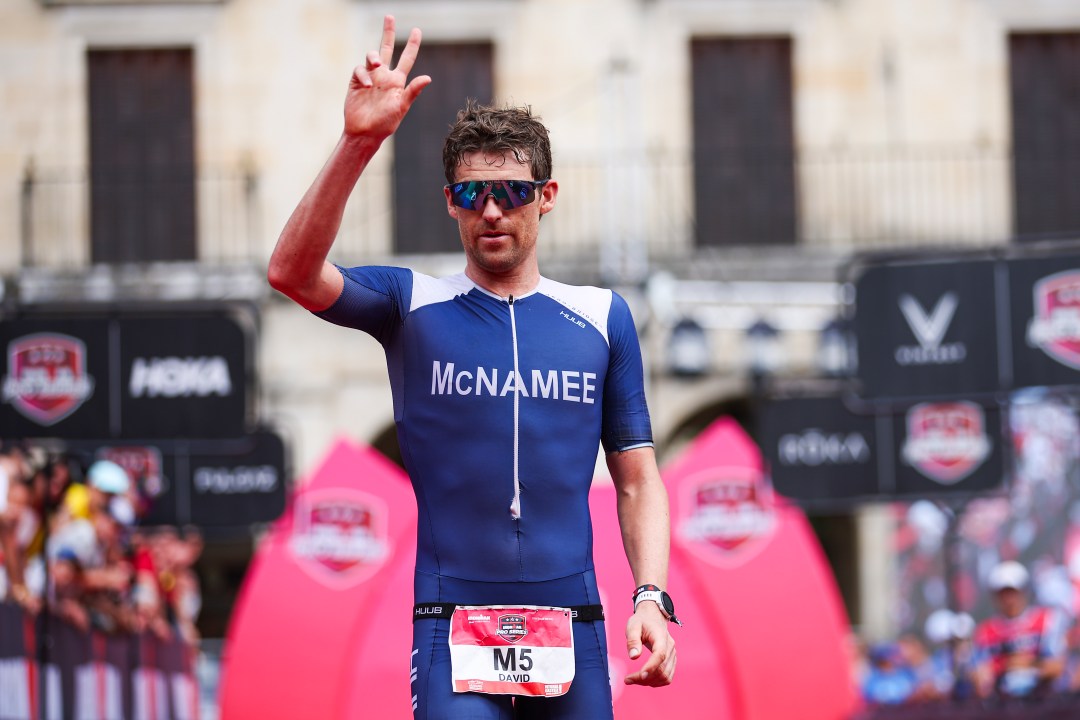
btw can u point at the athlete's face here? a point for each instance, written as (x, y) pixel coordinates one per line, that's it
(499, 242)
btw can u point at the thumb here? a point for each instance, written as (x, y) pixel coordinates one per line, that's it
(633, 638)
(413, 89)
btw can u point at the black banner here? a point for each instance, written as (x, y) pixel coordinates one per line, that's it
(230, 488)
(91, 376)
(819, 451)
(182, 376)
(55, 378)
(927, 330)
(1044, 298)
(214, 484)
(947, 448)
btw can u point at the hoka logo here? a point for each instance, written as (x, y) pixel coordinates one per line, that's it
(569, 385)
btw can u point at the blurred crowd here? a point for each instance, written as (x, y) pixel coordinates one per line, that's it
(71, 542)
(1023, 653)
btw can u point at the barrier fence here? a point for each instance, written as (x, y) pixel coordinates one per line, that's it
(91, 675)
(1064, 706)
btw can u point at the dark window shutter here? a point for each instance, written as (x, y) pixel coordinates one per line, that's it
(744, 156)
(142, 155)
(1044, 78)
(421, 224)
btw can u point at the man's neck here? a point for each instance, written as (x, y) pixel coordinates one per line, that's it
(517, 283)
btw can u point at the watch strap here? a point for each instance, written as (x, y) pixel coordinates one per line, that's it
(658, 596)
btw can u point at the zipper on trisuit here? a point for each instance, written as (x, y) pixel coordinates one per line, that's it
(515, 504)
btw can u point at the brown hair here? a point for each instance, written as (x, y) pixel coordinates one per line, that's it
(489, 129)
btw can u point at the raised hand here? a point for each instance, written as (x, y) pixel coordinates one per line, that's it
(378, 96)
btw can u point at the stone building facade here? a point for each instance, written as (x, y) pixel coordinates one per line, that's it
(880, 124)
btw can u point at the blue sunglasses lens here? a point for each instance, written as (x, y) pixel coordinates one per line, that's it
(509, 194)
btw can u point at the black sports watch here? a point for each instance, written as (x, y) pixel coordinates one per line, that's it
(658, 596)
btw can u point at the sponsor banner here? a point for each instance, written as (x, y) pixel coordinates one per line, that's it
(340, 535)
(183, 376)
(238, 484)
(503, 650)
(1044, 297)
(88, 376)
(818, 450)
(946, 448)
(726, 513)
(927, 329)
(54, 378)
(215, 484)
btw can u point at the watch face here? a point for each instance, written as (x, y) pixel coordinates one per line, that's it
(669, 606)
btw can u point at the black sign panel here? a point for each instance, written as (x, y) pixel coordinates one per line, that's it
(242, 486)
(947, 448)
(927, 330)
(819, 451)
(152, 467)
(183, 376)
(210, 483)
(1044, 297)
(55, 379)
(95, 376)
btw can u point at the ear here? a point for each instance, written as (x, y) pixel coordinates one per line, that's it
(451, 208)
(547, 196)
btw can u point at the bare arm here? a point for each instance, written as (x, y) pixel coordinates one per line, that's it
(643, 514)
(377, 100)
(646, 528)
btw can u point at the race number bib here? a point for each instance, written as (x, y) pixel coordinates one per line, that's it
(503, 650)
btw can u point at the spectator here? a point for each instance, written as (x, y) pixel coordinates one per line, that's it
(1070, 678)
(914, 655)
(77, 533)
(953, 655)
(187, 602)
(90, 575)
(19, 526)
(888, 681)
(1021, 650)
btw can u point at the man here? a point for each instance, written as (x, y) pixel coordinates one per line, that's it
(1021, 651)
(505, 383)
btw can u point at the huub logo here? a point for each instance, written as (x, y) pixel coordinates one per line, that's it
(929, 330)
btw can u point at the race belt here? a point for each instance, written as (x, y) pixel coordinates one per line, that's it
(511, 650)
(578, 613)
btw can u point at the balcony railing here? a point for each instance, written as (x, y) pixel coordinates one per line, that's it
(619, 214)
(55, 217)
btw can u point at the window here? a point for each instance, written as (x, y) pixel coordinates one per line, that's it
(464, 71)
(1045, 94)
(142, 155)
(744, 158)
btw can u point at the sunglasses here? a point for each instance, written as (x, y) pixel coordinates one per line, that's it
(509, 194)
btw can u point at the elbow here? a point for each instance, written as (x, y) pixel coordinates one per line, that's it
(282, 279)
(278, 278)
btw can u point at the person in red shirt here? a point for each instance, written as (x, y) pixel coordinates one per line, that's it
(1021, 651)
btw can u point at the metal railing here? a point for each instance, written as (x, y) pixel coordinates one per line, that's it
(55, 217)
(619, 214)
